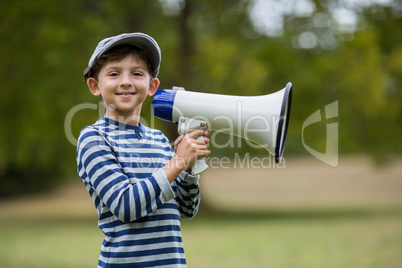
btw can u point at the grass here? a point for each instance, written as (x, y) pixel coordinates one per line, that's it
(49, 244)
(323, 240)
(369, 239)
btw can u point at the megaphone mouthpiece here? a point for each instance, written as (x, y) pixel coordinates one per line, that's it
(162, 104)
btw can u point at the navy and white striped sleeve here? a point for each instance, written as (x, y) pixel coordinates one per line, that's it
(101, 170)
(187, 191)
(188, 195)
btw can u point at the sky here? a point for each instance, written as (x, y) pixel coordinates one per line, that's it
(267, 15)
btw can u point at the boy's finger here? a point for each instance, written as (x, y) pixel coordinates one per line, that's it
(196, 133)
(203, 153)
(196, 142)
(179, 139)
(203, 141)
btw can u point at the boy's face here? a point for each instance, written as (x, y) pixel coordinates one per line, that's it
(124, 85)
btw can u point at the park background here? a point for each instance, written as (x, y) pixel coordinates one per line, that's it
(303, 213)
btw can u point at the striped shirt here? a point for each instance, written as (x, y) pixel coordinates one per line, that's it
(139, 211)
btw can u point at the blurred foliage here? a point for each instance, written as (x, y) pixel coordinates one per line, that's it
(207, 46)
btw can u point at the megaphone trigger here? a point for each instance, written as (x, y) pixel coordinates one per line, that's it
(186, 125)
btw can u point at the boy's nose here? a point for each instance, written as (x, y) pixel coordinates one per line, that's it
(126, 81)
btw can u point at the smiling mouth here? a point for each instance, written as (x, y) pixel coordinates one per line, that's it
(125, 94)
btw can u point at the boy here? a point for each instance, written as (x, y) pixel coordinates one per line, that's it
(138, 184)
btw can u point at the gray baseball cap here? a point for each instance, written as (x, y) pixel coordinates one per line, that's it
(144, 41)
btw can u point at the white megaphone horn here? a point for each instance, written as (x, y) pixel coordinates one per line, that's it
(261, 119)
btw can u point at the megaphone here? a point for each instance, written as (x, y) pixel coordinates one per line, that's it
(262, 119)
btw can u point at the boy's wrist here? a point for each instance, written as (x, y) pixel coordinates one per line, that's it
(174, 167)
(178, 162)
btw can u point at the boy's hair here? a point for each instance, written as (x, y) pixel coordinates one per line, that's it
(118, 53)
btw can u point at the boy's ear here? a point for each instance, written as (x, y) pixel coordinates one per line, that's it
(93, 86)
(153, 86)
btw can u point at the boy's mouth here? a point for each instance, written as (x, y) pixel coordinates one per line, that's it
(125, 94)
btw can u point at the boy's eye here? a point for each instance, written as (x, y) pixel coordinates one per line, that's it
(113, 74)
(137, 74)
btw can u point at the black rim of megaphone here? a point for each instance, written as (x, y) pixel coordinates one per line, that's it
(283, 122)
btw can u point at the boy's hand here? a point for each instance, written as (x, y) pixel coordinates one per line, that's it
(188, 148)
(199, 145)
